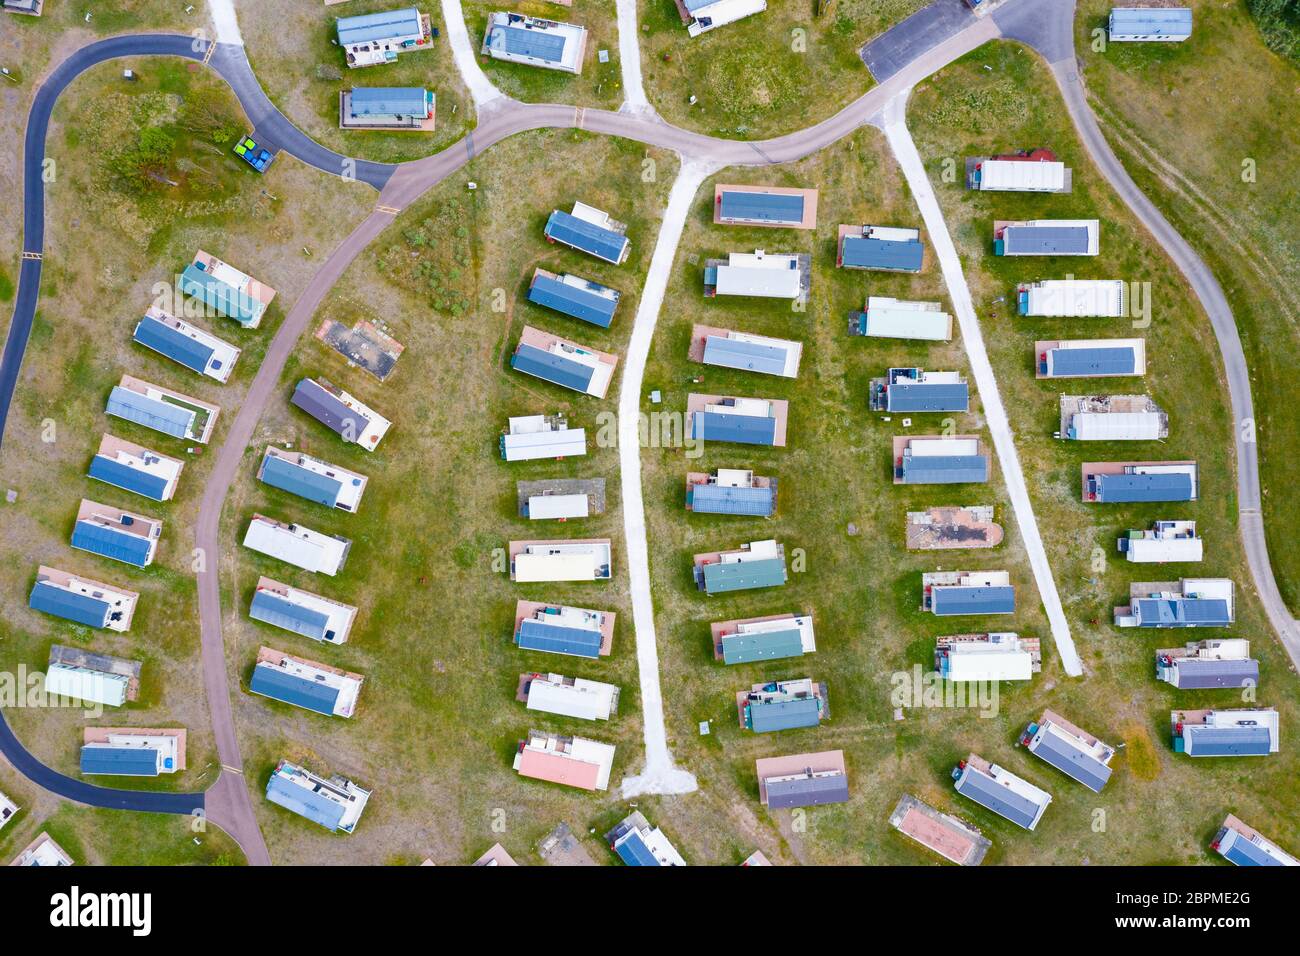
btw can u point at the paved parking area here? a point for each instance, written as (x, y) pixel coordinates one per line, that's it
(922, 31)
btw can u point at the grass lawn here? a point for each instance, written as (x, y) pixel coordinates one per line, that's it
(776, 72)
(438, 723)
(599, 84)
(292, 47)
(1168, 817)
(123, 16)
(1191, 121)
(92, 836)
(142, 181)
(28, 46)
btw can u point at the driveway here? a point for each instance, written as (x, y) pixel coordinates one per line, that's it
(905, 42)
(995, 414)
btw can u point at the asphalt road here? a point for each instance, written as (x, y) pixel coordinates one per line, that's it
(1210, 293)
(272, 129)
(82, 792)
(1045, 24)
(234, 811)
(906, 41)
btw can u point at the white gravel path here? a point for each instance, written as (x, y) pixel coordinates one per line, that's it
(480, 88)
(629, 59)
(225, 22)
(660, 774)
(893, 122)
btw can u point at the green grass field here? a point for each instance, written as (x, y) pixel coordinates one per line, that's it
(863, 589)
(27, 48)
(441, 671)
(1210, 129)
(772, 73)
(124, 16)
(109, 837)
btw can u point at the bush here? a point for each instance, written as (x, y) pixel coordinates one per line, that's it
(1279, 25)
(149, 154)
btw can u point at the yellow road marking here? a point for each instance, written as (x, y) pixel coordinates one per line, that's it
(391, 210)
(31, 255)
(212, 48)
(232, 769)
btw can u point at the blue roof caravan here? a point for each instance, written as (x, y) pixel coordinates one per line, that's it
(639, 844)
(1208, 665)
(1047, 237)
(116, 534)
(1191, 602)
(342, 414)
(1139, 481)
(311, 478)
(802, 780)
(574, 296)
(392, 108)
(134, 468)
(745, 352)
(769, 638)
(948, 593)
(82, 600)
(770, 706)
(1240, 732)
(186, 344)
(301, 612)
(563, 362)
(881, 248)
(224, 290)
(1149, 24)
(532, 41)
(1071, 750)
(335, 803)
(912, 390)
(132, 751)
(770, 206)
(1245, 846)
(372, 39)
(589, 230)
(304, 683)
(745, 421)
(1001, 791)
(560, 629)
(1089, 358)
(731, 491)
(153, 406)
(940, 460)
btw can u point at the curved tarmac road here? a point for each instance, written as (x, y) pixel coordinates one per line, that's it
(1049, 28)
(228, 802)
